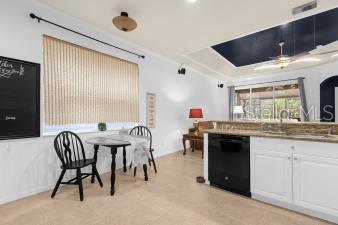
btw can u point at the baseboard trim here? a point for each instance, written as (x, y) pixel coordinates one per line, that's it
(167, 153)
(296, 208)
(34, 191)
(24, 194)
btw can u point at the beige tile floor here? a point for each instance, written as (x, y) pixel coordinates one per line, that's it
(171, 197)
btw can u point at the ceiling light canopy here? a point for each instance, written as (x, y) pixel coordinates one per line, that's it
(124, 22)
(191, 1)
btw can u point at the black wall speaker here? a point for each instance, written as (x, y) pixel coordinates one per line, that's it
(181, 71)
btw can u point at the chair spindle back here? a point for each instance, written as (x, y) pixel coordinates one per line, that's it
(142, 131)
(69, 147)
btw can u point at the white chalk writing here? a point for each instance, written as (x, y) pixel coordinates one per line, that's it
(10, 118)
(7, 70)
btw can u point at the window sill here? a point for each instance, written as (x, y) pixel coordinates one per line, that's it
(49, 134)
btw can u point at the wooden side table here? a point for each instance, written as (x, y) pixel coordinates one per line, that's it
(194, 138)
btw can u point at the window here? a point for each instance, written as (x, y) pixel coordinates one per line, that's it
(262, 102)
(84, 87)
(243, 99)
(267, 102)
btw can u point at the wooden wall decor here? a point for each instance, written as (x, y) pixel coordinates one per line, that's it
(19, 99)
(151, 110)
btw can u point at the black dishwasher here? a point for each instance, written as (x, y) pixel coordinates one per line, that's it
(229, 163)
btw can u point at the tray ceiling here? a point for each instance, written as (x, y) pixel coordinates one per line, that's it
(183, 31)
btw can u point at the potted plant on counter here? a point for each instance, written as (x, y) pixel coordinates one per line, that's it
(102, 126)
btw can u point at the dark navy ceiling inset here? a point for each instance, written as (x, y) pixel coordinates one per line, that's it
(299, 36)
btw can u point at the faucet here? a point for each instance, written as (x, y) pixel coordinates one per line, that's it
(281, 114)
(329, 132)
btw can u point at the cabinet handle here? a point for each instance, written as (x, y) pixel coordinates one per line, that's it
(295, 159)
(289, 158)
(293, 147)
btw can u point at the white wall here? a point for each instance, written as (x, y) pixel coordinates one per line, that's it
(313, 77)
(28, 166)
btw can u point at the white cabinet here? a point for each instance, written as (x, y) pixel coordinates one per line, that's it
(271, 174)
(299, 175)
(315, 183)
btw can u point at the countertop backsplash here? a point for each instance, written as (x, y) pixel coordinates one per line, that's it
(288, 127)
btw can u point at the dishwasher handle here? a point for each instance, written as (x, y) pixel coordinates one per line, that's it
(232, 141)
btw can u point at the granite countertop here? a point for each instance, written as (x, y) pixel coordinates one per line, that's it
(274, 122)
(274, 134)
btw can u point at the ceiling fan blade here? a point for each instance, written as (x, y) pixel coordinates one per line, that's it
(267, 66)
(306, 59)
(300, 55)
(328, 52)
(283, 61)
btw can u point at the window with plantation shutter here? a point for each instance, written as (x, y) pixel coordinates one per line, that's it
(83, 86)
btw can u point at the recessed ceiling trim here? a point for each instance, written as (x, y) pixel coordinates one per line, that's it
(227, 62)
(275, 73)
(204, 66)
(197, 19)
(259, 30)
(224, 59)
(300, 37)
(269, 27)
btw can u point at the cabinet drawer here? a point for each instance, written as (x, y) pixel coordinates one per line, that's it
(272, 144)
(321, 149)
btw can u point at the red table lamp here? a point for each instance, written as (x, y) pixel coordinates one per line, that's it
(196, 114)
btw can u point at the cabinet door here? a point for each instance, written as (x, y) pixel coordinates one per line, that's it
(316, 183)
(272, 174)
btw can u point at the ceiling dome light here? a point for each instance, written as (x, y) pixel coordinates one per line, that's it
(124, 23)
(191, 1)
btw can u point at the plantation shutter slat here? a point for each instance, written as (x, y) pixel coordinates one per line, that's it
(83, 86)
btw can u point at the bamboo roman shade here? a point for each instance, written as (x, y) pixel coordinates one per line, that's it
(83, 86)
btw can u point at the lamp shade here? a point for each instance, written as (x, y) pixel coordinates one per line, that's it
(238, 109)
(196, 113)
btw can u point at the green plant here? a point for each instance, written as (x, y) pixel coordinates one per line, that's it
(102, 126)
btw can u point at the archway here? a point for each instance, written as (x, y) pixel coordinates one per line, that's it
(327, 99)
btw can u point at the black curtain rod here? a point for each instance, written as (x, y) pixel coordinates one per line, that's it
(268, 82)
(33, 16)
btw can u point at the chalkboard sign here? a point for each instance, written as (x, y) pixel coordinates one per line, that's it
(19, 99)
